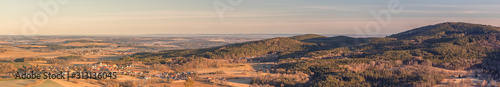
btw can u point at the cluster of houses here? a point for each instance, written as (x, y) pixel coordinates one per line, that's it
(97, 67)
(102, 67)
(172, 75)
(45, 69)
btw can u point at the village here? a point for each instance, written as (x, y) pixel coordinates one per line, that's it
(130, 70)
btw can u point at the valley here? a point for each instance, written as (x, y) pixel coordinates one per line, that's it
(439, 55)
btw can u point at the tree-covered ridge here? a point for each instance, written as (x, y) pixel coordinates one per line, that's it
(447, 29)
(306, 36)
(310, 45)
(280, 45)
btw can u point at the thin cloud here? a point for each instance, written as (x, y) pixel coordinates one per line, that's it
(336, 8)
(463, 12)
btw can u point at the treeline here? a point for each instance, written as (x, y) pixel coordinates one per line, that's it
(73, 58)
(27, 59)
(59, 62)
(24, 59)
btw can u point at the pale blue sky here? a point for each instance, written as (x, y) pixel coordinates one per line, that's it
(89, 17)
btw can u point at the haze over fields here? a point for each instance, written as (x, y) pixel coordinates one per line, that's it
(131, 17)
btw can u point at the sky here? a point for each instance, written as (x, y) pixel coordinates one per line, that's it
(128, 17)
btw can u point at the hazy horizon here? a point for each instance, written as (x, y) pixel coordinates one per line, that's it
(129, 17)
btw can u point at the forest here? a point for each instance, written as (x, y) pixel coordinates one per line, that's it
(400, 59)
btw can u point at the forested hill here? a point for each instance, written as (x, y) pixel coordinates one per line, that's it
(347, 61)
(447, 29)
(286, 47)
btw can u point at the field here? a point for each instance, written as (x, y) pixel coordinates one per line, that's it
(14, 52)
(82, 63)
(39, 46)
(244, 82)
(48, 83)
(228, 70)
(14, 83)
(126, 77)
(65, 83)
(456, 80)
(242, 71)
(18, 64)
(5, 42)
(181, 84)
(39, 63)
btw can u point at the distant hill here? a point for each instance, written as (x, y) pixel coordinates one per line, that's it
(286, 47)
(447, 29)
(306, 36)
(277, 45)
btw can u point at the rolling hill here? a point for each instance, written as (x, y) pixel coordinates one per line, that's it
(447, 29)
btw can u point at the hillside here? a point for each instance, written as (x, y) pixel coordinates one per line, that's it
(347, 61)
(292, 47)
(306, 36)
(278, 45)
(447, 29)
